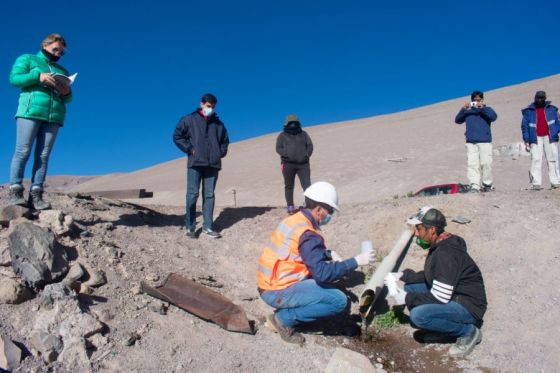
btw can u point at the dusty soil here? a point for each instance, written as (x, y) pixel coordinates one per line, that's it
(512, 237)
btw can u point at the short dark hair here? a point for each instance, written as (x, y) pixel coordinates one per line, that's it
(210, 98)
(439, 230)
(311, 204)
(477, 93)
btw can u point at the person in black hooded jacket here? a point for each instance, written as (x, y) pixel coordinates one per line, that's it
(446, 299)
(295, 148)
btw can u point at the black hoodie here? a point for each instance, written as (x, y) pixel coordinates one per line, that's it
(457, 278)
(294, 145)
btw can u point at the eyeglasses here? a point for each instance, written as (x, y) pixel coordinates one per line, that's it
(329, 209)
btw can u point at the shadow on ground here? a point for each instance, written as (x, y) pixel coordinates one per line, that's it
(231, 215)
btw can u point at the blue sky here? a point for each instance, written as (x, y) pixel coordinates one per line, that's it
(143, 65)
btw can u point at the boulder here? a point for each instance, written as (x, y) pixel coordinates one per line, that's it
(10, 354)
(13, 291)
(57, 221)
(36, 255)
(9, 213)
(344, 360)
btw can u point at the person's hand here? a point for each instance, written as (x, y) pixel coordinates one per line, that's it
(399, 297)
(396, 275)
(335, 257)
(467, 105)
(47, 79)
(365, 258)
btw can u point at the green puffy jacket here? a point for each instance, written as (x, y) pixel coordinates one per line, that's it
(37, 101)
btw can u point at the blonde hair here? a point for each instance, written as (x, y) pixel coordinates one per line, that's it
(53, 38)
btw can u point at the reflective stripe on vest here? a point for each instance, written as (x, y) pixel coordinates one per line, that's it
(280, 264)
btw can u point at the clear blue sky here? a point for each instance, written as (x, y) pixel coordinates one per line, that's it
(142, 65)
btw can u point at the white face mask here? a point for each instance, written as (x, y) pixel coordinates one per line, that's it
(207, 111)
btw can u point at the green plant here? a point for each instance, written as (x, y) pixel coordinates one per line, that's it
(410, 194)
(394, 317)
(396, 196)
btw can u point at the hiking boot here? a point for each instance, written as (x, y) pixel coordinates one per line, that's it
(16, 196)
(465, 345)
(428, 336)
(488, 188)
(291, 210)
(210, 232)
(36, 200)
(536, 187)
(287, 333)
(191, 233)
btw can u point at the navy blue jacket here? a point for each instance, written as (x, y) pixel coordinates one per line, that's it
(529, 123)
(205, 141)
(318, 259)
(478, 123)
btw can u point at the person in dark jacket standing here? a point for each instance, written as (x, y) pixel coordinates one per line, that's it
(540, 127)
(478, 118)
(204, 138)
(446, 299)
(295, 148)
(40, 114)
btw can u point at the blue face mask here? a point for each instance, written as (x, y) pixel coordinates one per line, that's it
(207, 111)
(325, 220)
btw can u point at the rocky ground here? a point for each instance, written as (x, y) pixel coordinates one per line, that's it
(512, 236)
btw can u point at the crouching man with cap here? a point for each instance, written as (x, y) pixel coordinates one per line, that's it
(447, 299)
(296, 267)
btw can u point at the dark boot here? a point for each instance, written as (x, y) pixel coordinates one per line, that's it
(16, 195)
(36, 200)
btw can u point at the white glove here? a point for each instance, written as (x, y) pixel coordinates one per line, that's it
(399, 297)
(365, 258)
(391, 284)
(395, 275)
(335, 257)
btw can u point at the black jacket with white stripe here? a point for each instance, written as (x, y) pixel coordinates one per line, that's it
(451, 275)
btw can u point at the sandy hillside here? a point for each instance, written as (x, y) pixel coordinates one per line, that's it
(368, 159)
(512, 236)
(509, 236)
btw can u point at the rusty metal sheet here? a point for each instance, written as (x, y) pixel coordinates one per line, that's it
(201, 301)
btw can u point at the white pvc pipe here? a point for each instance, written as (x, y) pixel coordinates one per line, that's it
(375, 285)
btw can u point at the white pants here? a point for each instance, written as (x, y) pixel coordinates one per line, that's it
(479, 164)
(551, 153)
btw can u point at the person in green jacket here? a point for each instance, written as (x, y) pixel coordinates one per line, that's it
(40, 114)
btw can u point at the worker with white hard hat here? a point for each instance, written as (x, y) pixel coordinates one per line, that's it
(296, 267)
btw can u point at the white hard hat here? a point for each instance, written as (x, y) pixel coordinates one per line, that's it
(323, 192)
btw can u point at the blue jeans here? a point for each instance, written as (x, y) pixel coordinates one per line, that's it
(44, 135)
(451, 319)
(208, 176)
(305, 301)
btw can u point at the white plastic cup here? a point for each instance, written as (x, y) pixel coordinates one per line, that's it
(367, 246)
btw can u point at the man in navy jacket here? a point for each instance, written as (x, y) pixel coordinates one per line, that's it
(204, 138)
(478, 118)
(540, 127)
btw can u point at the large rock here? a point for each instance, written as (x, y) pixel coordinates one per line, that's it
(59, 223)
(348, 361)
(9, 213)
(12, 291)
(49, 346)
(10, 354)
(36, 255)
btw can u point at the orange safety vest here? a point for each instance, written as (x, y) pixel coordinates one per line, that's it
(280, 264)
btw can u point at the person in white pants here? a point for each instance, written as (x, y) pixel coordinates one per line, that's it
(540, 127)
(478, 118)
